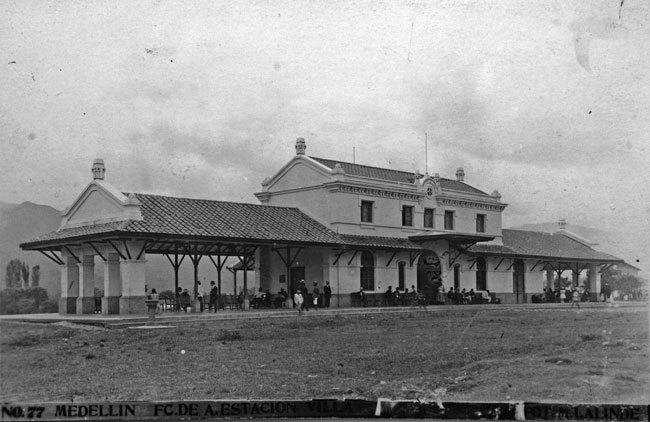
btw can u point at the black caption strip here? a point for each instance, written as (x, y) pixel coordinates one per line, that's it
(321, 408)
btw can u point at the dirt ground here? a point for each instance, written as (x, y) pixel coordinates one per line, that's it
(587, 356)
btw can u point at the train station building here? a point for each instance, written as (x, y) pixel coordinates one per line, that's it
(351, 225)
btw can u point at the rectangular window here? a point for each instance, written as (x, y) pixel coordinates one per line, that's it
(428, 218)
(449, 220)
(366, 211)
(407, 215)
(480, 223)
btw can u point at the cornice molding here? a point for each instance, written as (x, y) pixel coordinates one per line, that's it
(467, 203)
(374, 191)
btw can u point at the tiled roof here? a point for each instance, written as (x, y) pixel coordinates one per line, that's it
(543, 245)
(394, 175)
(379, 242)
(200, 218)
(83, 231)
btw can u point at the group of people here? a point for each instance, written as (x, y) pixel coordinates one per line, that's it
(465, 297)
(183, 297)
(397, 297)
(573, 295)
(264, 299)
(303, 299)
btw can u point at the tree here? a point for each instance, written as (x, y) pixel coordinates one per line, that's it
(627, 284)
(38, 295)
(13, 274)
(36, 275)
(24, 269)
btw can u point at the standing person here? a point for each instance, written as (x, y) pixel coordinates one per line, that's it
(305, 295)
(575, 296)
(422, 300)
(606, 292)
(315, 293)
(214, 296)
(562, 295)
(362, 296)
(200, 292)
(389, 296)
(298, 300)
(327, 292)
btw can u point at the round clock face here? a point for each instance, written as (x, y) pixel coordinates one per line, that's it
(429, 189)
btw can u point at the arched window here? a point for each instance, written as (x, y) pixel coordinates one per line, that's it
(481, 274)
(367, 271)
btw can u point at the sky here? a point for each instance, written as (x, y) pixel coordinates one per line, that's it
(546, 102)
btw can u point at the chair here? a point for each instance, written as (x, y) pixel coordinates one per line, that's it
(167, 304)
(229, 301)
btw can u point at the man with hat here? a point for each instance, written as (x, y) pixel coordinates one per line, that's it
(315, 295)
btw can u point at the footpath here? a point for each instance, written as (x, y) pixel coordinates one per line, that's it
(176, 318)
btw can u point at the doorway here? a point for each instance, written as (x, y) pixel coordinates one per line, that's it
(297, 274)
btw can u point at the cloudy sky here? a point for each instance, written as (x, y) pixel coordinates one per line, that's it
(545, 101)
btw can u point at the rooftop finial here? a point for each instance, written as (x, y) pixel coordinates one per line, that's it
(98, 169)
(300, 146)
(460, 174)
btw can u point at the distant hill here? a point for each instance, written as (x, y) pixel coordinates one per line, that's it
(20, 223)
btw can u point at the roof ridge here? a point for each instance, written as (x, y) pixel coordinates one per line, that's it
(527, 231)
(209, 200)
(363, 165)
(406, 173)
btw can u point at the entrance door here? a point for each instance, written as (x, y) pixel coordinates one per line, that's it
(297, 274)
(429, 276)
(518, 281)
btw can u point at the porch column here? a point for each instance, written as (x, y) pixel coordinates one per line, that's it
(576, 277)
(549, 278)
(594, 283)
(69, 286)
(86, 299)
(133, 282)
(112, 285)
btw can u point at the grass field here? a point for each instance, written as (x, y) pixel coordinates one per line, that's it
(593, 355)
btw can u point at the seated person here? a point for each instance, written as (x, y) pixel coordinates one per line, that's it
(362, 296)
(153, 295)
(185, 299)
(258, 300)
(281, 298)
(267, 299)
(398, 297)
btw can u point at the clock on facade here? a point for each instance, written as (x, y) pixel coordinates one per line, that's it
(429, 189)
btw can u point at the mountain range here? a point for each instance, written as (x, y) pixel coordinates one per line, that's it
(20, 223)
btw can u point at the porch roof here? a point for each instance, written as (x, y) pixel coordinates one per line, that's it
(185, 219)
(540, 245)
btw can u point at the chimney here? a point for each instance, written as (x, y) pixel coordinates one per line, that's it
(300, 146)
(98, 169)
(562, 224)
(460, 174)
